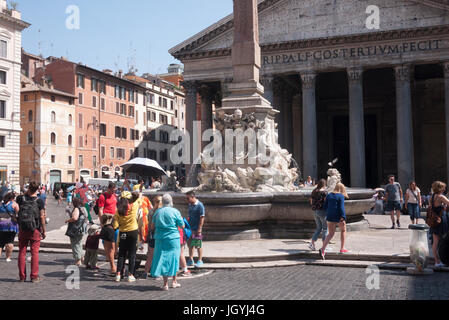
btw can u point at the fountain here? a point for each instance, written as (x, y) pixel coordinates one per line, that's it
(249, 189)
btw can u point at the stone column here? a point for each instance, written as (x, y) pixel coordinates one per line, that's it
(297, 130)
(404, 125)
(287, 117)
(267, 82)
(206, 111)
(356, 128)
(309, 125)
(277, 104)
(191, 99)
(446, 108)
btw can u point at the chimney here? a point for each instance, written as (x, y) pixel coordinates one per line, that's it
(16, 14)
(120, 73)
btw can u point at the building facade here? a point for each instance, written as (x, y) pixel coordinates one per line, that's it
(104, 118)
(375, 98)
(11, 27)
(47, 140)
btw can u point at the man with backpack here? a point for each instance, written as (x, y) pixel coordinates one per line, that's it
(31, 219)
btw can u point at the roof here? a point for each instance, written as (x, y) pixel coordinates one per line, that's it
(227, 23)
(18, 22)
(33, 87)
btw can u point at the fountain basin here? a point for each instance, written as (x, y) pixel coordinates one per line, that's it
(244, 216)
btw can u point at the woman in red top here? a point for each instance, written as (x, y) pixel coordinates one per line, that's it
(107, 205)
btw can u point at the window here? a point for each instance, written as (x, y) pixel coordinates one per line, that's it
(80, 142)
(160, 101)
(2, 77)
(30, 115)
(94, 85)
(80, 120)
(122, 93)
(70, 160)
(165, 103)
(70, 119)
(80, 98)
(153, 116)
(118, 132)
(137, 117)
(2, 141)
(94, 123)
(53, 138)
(164, 155)
(176, 113)
(152, 154)
(131, 111)
(2, 109)
(124, 133)
(171, 105)
(111, 152)
(94, 161)
(103, 152)
(80, 161)
(4, 48)
(102, 87)
(117, 108)
(53, 117)
(120, 153)
(25, 98)
(30, 137)
(53, 158)
(131, 134)
(69, 140)
(80, 81)
(103, 129)
(53, 98)
(102, 104)
(123, 109)
(136, 135)
(94, 102)
(94, 143)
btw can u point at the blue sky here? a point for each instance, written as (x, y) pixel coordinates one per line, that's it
(115, 34)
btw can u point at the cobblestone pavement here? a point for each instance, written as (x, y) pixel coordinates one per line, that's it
(298, 282)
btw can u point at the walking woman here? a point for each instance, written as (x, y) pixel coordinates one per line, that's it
(107, 207)
(8, 224)
(317, 201)
(75, 230)
(126, 220)
(157, 203)
(413, 202)
(167, 251)
(439, 202)
(336, 215)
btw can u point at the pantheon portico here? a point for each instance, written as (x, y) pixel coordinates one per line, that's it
(376, 99)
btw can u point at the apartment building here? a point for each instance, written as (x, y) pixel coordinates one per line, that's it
(47, 140)
(11, 27)
(104, 118)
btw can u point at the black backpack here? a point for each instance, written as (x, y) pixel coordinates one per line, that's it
(29, 214)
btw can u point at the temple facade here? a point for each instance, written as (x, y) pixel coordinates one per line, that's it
(366, 82)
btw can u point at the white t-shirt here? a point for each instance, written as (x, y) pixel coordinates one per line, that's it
(411, 197)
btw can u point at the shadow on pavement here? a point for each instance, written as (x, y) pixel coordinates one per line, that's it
(131, 286)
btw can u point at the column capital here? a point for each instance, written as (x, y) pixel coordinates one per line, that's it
(191, 87)
(267, 80)
(355, 74)
(308, 79)
(403, 72)
(205, 91)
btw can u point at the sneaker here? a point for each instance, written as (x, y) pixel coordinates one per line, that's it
(189, 262)
(312, 246)
(199, 264)
(117, 278)
(176, 285)
(399, 224)
(392, 227)
(8, 260)
(322, 254)
(131, 278)
(186, 274)
(440, 265)
(29, 259)
(344, 251)
(164, 288)
(36, 280)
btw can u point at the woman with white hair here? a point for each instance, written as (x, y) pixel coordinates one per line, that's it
(167, 249)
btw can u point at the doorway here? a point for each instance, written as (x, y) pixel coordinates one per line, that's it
(341, 149)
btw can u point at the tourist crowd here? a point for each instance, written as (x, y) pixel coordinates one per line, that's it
(128, 219)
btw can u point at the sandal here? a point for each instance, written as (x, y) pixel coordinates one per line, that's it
(175, 285)
(165, 288)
